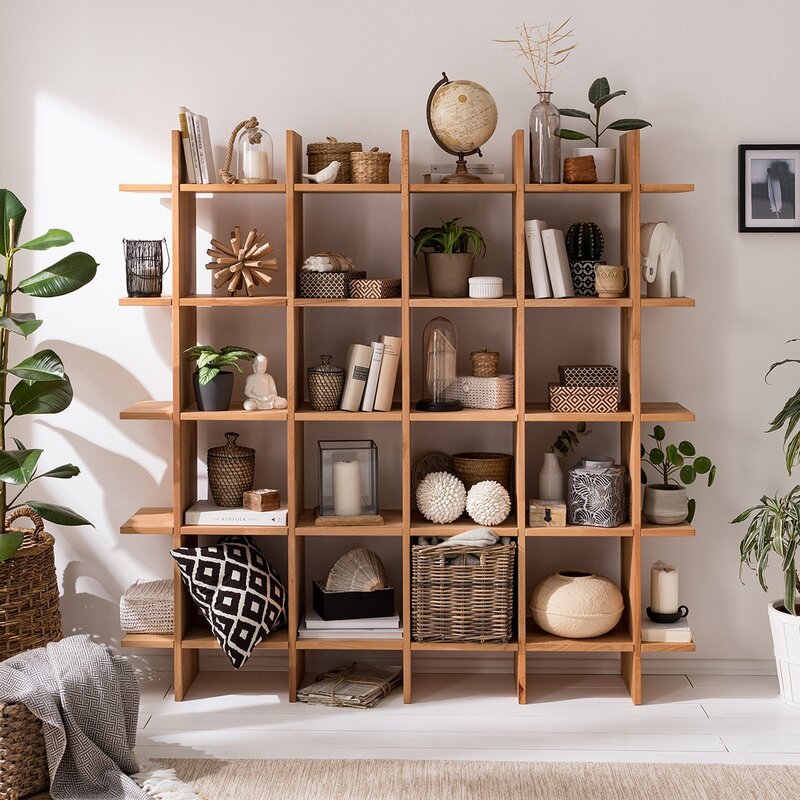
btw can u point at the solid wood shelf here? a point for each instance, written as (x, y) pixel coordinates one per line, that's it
(199, 637)
(617, 641)
(666, 412)
(234, 530)
(146, 641)
(577, 188)
(578, 302)
(149, 521)
(587, 531)
(667, 302)
(234, 414)
(466, 647)
(668, 647)
(159, 188)
(392, 526)
(214, 301)
(666, 188)
(462, 188)
(233, 188)
(540, 412)
(465, 415)
(684, 529)
(346, 302)
(307, 414)
(348, 188)
(145, 301)
(148, 409)
(421, 527)
(424, 301)
(349, 644)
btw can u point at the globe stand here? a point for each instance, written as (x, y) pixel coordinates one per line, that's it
(461, 175)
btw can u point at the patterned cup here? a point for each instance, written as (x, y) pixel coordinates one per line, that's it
(610, 280)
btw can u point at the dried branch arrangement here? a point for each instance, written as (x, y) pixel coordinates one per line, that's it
(545, 48)
(241, 265)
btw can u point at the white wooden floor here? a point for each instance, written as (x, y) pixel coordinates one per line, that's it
(686, 718)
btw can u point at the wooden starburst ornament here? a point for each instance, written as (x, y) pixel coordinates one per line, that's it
(241, 265)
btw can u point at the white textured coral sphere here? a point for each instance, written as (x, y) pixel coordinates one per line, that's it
(488, 503)
(441, 497)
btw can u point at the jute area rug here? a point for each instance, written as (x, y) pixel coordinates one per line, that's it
(482, 780)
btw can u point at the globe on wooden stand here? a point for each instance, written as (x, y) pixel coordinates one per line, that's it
(462, 116)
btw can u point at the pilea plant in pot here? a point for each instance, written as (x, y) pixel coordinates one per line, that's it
(551, 476)
(213, 385)
(605, 158)
(585, 244)
(450, 251)
(677, 466)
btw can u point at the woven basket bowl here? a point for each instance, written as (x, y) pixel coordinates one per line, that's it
(320, 155)
(472, 468)
(370, 167)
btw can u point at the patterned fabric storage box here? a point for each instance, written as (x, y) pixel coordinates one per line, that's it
(583, 399)
(597, 497)
(588, 375)
(497, 392)
(374, 288)
(148, 607)
(328, 285)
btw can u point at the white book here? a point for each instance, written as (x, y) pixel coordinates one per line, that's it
(350, 633)
(314, 621)
(666, 632)
(206, 512)
(540, 280)
(201, 154)
(368, 403)
(473, 168)
(207, 149)
(193, 145)
(388, 377)
(359, 357)
(187, 145)
(555, 253)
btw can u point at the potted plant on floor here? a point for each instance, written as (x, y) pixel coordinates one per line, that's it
(449, 252)
(605, 158)
(213, 385)
(678, 466)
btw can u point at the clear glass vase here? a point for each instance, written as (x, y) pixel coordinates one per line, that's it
(545, 124)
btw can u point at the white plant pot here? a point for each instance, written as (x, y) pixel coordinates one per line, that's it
(665, 505)
(786, 642)
(605, 161)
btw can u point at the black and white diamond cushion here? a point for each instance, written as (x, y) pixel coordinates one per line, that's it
(237, 590)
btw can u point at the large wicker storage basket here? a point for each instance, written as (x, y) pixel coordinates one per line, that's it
(23, 758)
(472, 468)
(462, 602)
(320, 155)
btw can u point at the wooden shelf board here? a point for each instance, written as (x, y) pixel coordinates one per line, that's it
(145, 301)
(577, 188)
(149, 520)
(581, 530)
(392, 526)
(213, 301)
(667, 302)
(467, 647)
(234, 188)
(148, 409)
(540, 412)
(163, 641)
(466, 415)
(666, 188)
(349, 644)
(421, 527)
(668, 647)
(235, 414)
(159, 188)
(462, 188)
(346, 302)
(617, 641)
(578, 302)
(684, 529)
(307, 414)
(666, 412)
(424, 301)
(200, 637)
(347, 188)
(234, 530)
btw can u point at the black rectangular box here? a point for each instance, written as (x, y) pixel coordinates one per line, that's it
(353, 605)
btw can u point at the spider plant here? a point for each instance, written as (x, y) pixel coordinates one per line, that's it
(210, 362)
(788, 416)
(450, 238)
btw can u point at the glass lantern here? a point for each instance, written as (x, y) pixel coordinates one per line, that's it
(254, 162)
(348, 478)
(439, 350)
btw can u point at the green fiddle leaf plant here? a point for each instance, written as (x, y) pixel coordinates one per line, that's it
(42, 386)
(599, 94)
(568, 440)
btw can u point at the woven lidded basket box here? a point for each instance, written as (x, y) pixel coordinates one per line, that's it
(583, 399)
(148, 607)
(375, 288)
(370, 167)
(320, 155)
(328, 285)
(472, 392)
(454, 599)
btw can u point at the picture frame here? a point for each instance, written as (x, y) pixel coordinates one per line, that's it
(769, 188)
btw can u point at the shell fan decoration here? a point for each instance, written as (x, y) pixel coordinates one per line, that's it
(241, 264)
(441, 497)
(359, 570)
(488, 503)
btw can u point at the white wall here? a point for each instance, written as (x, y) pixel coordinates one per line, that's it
(90, 92)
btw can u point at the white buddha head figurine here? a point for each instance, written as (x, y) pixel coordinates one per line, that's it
(259, 389)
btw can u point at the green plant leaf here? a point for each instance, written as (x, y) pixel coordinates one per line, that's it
(644, 477)
(64, 471)
(18, 466)
(687, 474)
(60, 515)
(605, 98)
(55, 237)
(574, 112)
(207, 374)
(23, 324)
(11, 208)
(10, 542)
(42, 366)
(17, 443)
(598, 89)
(691, 508)
(656, 456)
(65, 276)
(673, 456)
(686, 448)
(43, 397)
(659, 434)
(566, 133)
(629, 125)
(702, 465)
(712, 476)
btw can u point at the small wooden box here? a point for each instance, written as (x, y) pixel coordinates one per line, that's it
(262, 499)
(547, 514)
(374, 288)
(583, 399)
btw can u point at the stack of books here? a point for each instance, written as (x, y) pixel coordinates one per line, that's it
(197, 152)
(672, 632)
(549, 263)
(370, 375)
(206, 512)
(314, 627)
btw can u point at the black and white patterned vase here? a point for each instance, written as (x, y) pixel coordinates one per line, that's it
(583, 277)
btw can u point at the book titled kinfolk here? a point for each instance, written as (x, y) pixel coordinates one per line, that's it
(205, 512)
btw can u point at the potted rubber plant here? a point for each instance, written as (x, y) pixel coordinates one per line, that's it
(605, 158)
(213, 385)
(677, 466)
(449, 251)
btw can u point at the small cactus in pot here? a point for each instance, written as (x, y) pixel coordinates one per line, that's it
(585, 245)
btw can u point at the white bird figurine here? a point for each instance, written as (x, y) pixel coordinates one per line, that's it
(327, 175)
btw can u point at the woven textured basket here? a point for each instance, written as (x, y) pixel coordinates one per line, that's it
(370, 167)
(23, 758)
(472, 468)
(460, 602)
(231, 471)
(580, 169)
(482, 392)
(320, 155)
(148, 607)
(484, 363)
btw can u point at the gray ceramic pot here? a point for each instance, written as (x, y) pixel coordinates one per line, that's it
(216, 394)
(448, 275)
(665, 505)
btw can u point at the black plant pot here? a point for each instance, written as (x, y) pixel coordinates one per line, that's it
(216, 394)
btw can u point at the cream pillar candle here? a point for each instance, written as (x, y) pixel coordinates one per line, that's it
(346, 488)
(664, 588)
(255, 164)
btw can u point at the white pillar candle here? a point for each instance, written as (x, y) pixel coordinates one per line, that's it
(255, 164)
(664, 588)
(346, 488)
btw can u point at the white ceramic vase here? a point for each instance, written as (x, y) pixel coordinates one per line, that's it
(605, 161)
(665, 505)
(551, 479)
(786, 641)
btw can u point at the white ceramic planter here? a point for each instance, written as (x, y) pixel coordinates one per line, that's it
(786, 641)
(665, 505)
(605, 161)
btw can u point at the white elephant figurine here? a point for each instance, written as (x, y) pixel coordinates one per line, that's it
(662, 260)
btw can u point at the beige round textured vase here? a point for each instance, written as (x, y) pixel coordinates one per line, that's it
(576, 605)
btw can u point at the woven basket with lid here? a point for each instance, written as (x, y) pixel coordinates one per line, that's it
(325, 384)
(484, 363)
(231, 471)
(370, 167)
(320, 155)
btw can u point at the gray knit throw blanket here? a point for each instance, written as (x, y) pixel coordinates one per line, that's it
(88, 701)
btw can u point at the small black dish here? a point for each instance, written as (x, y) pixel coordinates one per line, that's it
(667, 618)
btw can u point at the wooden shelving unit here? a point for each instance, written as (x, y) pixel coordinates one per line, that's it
(192, 635)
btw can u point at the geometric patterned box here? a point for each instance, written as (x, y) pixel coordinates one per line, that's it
(583, 399)
(375, 288)
(588, 375)
(328, 285)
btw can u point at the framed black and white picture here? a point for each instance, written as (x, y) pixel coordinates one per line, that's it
(769, 190)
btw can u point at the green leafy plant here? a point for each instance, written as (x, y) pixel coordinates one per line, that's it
(788, 416)
(42, 387)
(450, 238)
(669, 460)
(210, 362)
(599, 94)
(568, 440)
